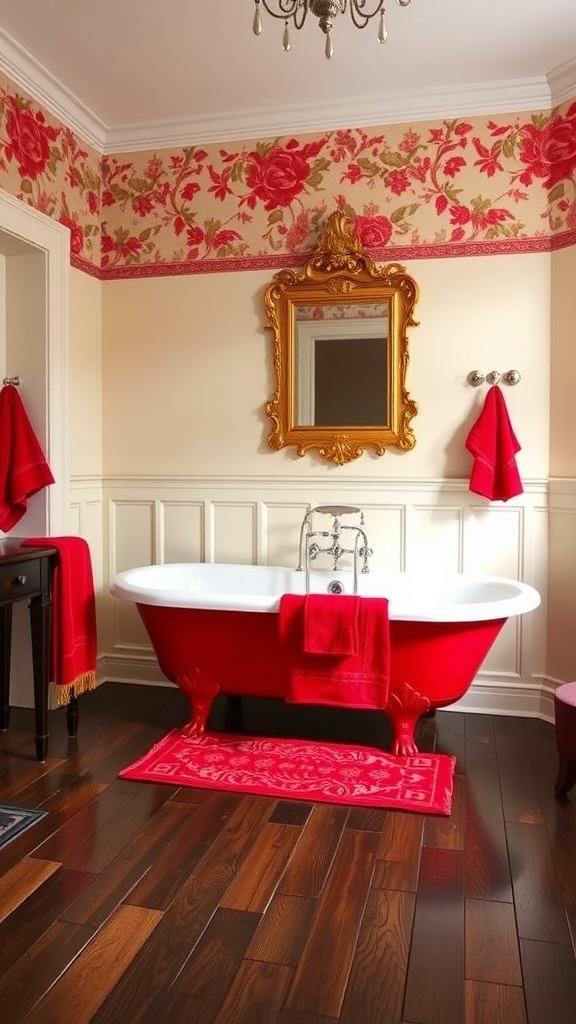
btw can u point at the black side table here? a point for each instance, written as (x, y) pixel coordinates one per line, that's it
(26, 574)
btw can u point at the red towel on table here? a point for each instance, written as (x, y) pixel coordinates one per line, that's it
(493, 444)
(23, 467)
(359, 680)
(73, 650)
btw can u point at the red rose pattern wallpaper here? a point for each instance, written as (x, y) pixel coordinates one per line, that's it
(454, 187)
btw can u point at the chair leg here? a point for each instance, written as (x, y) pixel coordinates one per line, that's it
(566, 776)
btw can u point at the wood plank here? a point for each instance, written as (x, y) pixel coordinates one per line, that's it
(71, 1000)
(492, 952)
(107, 736)
(61, 808)
(549, 982)
(450, 732)
(113, 885)
(375, 991)
(256, 994)
(22, 772)
(140, 993)
(321, 975)
(519, 793)
(493, 1004)
(18, 883)
(194, 996)
(288, 1016)
(447, 832)
(108, 838)
(291, 812)
(38, 912)
(257, 880)
(540, 912)
(487, 871)
(459, 901)
(367, 819)
(399, 848)
(308, 867)
(282, 930)
(435, 976)
(175, 862)
(70, 832)
(39, 967)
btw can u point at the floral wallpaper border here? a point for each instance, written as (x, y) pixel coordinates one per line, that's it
(456, 187)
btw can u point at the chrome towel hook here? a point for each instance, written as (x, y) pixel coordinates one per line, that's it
(510, 377)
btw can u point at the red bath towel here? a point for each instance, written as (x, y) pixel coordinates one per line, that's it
(493, 444)
(23, 468)
(73, 650)
(331, 627)
(360, 680)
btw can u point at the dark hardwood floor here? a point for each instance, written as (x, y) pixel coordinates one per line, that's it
(131, 903)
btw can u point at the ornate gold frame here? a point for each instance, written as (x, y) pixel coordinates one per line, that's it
(339, 270)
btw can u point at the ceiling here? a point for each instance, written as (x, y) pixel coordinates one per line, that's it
(132, 74)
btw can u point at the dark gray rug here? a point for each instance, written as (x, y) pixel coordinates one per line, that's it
(15, 820)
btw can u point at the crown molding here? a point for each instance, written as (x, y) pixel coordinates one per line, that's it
(481, 99)
(514, 95)
(562, 82)
(31, 76)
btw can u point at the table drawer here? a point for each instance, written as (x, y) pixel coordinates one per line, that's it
(19, 580)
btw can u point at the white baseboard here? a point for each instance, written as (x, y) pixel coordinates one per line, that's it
(485, 696)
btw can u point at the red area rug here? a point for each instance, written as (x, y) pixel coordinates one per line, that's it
(332, 773)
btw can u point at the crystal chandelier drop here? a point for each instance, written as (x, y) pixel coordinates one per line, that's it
(296, 11)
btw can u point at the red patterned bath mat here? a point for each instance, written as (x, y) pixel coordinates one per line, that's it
(332, 773)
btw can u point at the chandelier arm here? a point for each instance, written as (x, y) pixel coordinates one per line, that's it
(294, 9)
(359, 16)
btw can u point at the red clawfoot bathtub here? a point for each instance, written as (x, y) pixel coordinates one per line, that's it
(214, 628)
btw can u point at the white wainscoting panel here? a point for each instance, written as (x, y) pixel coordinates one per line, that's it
(561, 631)
(437, 525)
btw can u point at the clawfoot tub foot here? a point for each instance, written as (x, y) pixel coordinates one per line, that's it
(201, 691)
(405, 706)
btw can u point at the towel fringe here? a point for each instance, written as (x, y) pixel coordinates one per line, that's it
(65, 691)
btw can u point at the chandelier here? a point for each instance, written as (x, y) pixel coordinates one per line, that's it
(296, 11)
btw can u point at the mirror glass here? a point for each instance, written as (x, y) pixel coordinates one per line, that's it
(341, 351)
(341, 365)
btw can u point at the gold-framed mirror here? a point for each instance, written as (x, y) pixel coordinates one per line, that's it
(340, 337)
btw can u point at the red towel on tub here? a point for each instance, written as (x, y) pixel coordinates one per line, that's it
(358, 680)
(331, 627)
(23, 468)
(493, 444)
(73, 648)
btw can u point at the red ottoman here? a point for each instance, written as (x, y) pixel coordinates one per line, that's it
(565, 715)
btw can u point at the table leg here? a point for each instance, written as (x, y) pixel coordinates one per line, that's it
(41, 626)
(5, 650)
(72, 715)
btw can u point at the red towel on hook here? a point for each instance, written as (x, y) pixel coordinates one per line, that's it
(73, 649)
(494, 445)
(23, 467)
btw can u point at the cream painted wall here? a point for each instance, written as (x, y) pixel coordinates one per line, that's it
(85, 376)
(563, 365)
(187, 369)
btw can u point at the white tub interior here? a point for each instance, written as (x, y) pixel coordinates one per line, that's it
(412, 596)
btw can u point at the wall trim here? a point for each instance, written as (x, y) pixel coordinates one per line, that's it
(532, 485)
(51, 238)
(487, 695)
(410, 106)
